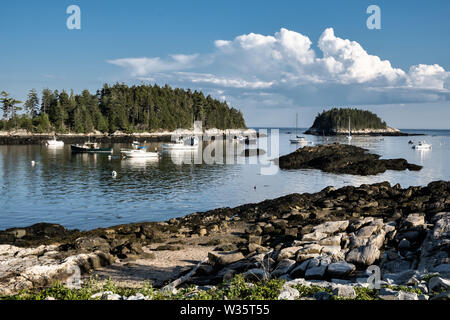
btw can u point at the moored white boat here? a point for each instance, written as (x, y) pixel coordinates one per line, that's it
(54, 143)
(297, 139)
(190, 143)
(140, 152)
(422, 145)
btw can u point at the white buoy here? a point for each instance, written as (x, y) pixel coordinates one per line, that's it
(33, 163)
(114, 174)
(109, 157)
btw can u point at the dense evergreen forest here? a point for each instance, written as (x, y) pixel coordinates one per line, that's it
(118, 107)
(338, 119)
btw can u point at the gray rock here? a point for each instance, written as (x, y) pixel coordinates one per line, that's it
(442, 268)
(316, 272)
(224, 258)
(344, 291)
(365, 255)
(332, 250)
(340, 281)
(413, 220)
(314, 236)
(283, 267)
(331, 241)
(366, 232)
(109, 295)
(299, 271)
(389, 294)
(288, 253)
(288, 293)
(310, 249)
(331, 227)
(314, 262)
(340, 269)
(442, 296)
(401, 278)
(256, 274)
(90, 244)
(137, 296)
(438, 283)
(404, 245)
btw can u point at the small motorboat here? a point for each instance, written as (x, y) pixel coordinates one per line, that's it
(90, 147)
(135, 144)
(422, 145)
(140, 152)
(239, 139)
(410, 142)
(54, 143)
(299, 140)
(190, 143)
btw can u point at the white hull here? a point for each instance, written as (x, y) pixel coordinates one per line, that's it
(54, 143)
(140, 154)
(298, 141)
(178, 147)
(422, 145)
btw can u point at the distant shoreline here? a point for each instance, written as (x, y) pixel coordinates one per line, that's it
(26, 138)
(368, 132)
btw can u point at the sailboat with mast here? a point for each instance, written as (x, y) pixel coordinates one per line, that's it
(349, 136)
(297, 139)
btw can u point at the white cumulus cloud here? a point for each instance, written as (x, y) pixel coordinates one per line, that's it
(285, 65)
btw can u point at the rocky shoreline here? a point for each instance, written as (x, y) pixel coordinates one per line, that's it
(389, 132)
(326, 239)
(342, 159)
(26, 138)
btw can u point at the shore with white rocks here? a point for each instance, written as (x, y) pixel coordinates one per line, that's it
(22, 137)
(316, 246)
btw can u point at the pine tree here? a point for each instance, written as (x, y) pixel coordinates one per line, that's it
(32, 103)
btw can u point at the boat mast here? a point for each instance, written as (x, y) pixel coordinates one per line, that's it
(349, 134)
(296, 125)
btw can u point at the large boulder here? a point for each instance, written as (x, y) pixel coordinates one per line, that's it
(340, 269)
(365, 255)
(331, 227)
(315, 273)
(223, 258)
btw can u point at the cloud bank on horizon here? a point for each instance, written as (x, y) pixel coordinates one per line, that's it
(284, 70)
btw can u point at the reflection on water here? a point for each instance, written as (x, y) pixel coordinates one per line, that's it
(77, 190)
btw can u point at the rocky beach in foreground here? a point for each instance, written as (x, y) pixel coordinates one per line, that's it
(303, 246)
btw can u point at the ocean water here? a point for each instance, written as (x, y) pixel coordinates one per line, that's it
(78, 191)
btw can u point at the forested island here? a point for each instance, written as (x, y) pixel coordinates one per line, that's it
(139, 108)
(339, 120)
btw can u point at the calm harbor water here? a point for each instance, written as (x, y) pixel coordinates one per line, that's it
(78, 191)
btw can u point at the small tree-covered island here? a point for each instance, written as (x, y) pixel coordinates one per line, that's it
(338, 121)
(142, 108)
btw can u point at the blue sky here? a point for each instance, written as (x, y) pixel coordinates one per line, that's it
(276, 58)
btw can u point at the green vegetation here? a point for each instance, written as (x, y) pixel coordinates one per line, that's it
(310, 291)
(335, 119)
(118, 107)
(236, 288)
(405, 289)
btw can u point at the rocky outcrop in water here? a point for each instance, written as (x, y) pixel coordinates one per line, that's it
(342, 159)
(326, 239)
